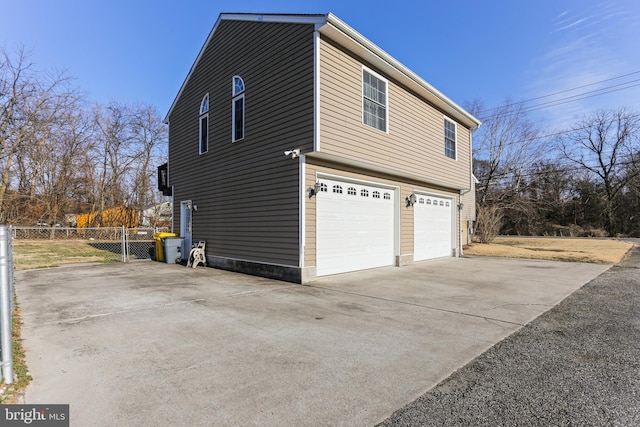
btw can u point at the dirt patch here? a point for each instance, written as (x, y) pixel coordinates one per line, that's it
(601, 251)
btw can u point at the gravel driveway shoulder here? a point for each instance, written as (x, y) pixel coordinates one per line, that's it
(577, 364)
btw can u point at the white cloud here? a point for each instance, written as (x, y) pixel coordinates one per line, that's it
(571, 25)
(586, 46)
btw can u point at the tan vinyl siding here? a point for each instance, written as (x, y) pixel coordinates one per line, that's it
(310, 218)
(247, 192)
(468, 201)
(414, 143)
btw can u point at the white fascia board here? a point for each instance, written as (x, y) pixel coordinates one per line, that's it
(339, 31)
(315, 19)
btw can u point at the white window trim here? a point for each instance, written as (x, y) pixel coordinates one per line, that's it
(234, 97)
(233, 85)
(455, 141)
(203, 116)
(200, 117)
(204, 98)
(233, 117)
(386, 110)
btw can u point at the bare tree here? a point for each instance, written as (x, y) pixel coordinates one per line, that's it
(57, 156)
(150, 135)
(505, 146)
(114, 154)
(28, 103)
(606, 145)
(69, 143)
(130, 142)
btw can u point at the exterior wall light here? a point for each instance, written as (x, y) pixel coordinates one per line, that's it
(411, 199)
(314, 190)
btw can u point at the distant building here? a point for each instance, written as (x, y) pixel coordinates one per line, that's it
(158, 215)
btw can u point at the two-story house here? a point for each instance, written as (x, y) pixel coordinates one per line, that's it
(299, 149)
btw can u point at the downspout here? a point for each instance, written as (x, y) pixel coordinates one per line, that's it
(302, 211)
(316, 89)
(471, 186)
(460, 208)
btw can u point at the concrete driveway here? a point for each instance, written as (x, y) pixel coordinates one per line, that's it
(157, 344)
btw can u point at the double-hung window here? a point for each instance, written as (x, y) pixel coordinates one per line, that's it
(374, 100)
(449, 138)
(204, 125)
(237, 107)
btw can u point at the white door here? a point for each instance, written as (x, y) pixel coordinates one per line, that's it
(354, 226)
(432, 227)
(185, 227)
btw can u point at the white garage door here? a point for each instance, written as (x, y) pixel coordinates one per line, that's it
(432, 225)
(354, 227)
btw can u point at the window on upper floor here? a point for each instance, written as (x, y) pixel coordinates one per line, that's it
(374, 100)
(204, 125)
(237, 108)
(449, 138)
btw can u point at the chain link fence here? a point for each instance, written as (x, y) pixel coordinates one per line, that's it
(111, 243)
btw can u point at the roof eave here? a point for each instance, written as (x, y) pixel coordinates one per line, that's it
(335, 29)
(340, 32)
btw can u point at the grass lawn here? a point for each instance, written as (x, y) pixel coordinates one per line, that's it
(601, 251)
(30, 254)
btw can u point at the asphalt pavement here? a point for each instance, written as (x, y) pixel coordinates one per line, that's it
(576, 365)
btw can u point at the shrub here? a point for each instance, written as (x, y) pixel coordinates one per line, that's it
(488, 223)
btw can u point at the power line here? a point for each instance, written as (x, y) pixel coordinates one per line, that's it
(562, 91)
(522, 141)
(566, 100)
(529, 172)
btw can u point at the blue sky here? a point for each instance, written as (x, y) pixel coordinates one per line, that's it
(141, 50)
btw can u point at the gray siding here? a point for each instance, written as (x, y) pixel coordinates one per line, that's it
(247, 192)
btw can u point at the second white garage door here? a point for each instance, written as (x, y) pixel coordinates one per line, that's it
(432, 227)
(354, 226)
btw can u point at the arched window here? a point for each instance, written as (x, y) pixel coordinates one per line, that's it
(237, 108)
(204, 125)
(351, 191)
(337, 189)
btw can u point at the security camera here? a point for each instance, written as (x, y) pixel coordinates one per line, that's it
(293, 153)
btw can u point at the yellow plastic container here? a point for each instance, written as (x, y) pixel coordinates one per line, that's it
(158, 237)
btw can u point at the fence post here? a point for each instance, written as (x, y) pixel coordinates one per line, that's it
(6, 304)
(124, 244)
